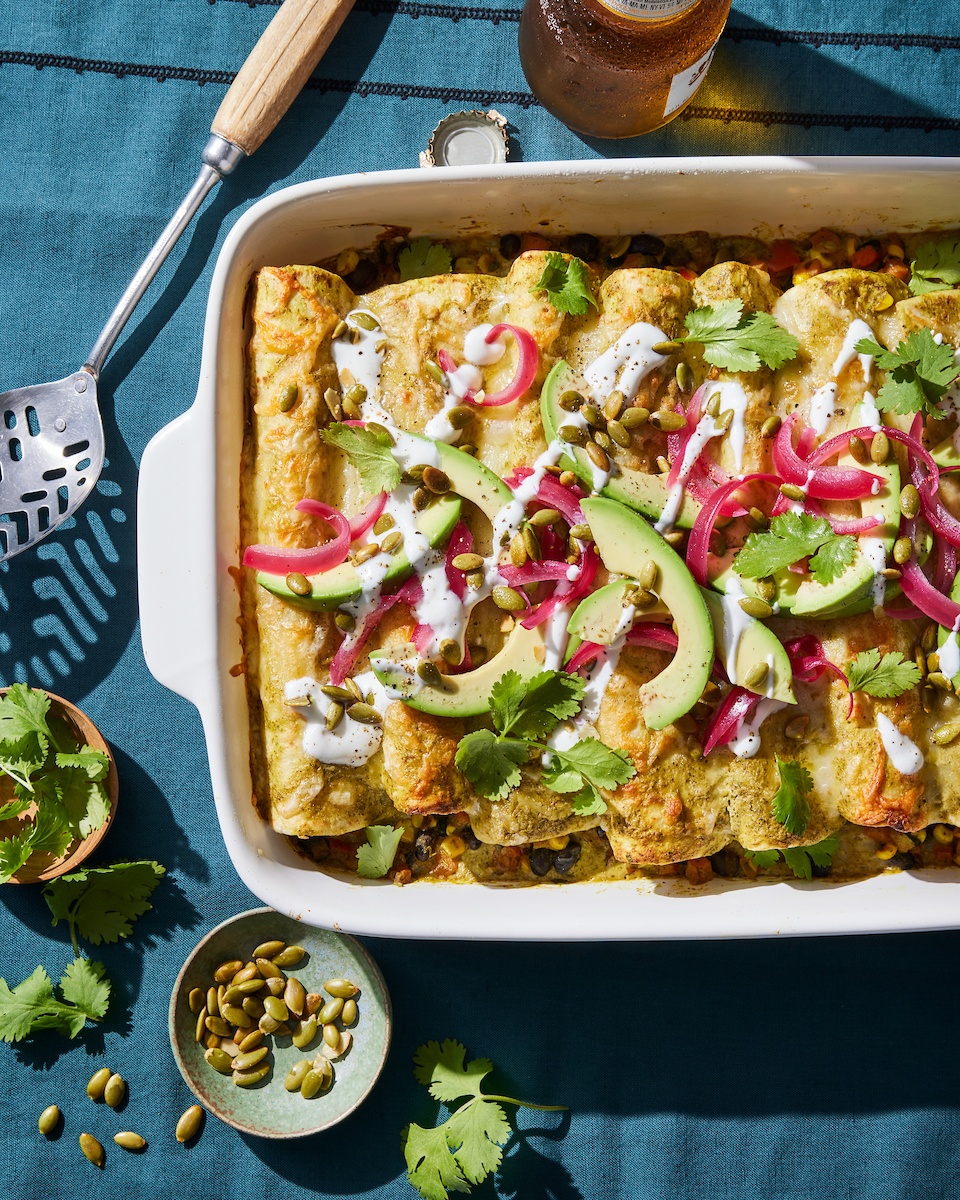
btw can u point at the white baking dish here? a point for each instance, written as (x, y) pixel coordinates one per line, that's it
(189, 482)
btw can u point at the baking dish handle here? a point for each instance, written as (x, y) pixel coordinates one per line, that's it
(176, 558)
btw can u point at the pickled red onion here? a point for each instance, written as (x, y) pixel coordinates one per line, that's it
(461, 542)
(528, 359)
(368, 518)
(824, 483)
(722, 727)
(698, 543)
(311, 561)
(349, 650)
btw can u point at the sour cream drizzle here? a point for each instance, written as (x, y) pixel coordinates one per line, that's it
(902, 752)
(950, 654)
(352, 743)
(628, 361)
(361, 359)
(823, 406)
(706, 429)
(856, 330)
(746, 743)
(733, 398)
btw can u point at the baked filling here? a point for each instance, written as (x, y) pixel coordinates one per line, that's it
(755, 671)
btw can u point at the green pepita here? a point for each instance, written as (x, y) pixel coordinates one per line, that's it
(468, 562)
(508, 599)
(543, 517)
(243, 1062)
(909, 501)
(880, 448)
(602, 440)
(294, 996)
(460, 416)
(435, 372)
(592, 415)
(251, 1077)
(98, 1081)
(197, 999)
(619, 434)
(792, 492)
(296, 1075)
(450, 651)
(275, 1008)
(250, 1040)
(311, 1084)
(613, 405)
(756, 676)
(339, 329)
(392, 542)
(306, 1033)
(342, 1046)
(189, 1124)
(570, 401)
(573, 435)
(668, 347)
(267, 1024)
(331, 1036)
(430, 674)
(581, 532)
(858, 450)
(201, 1025)
(632, 417)
(531, 542)
(421, 498)
(755, 607)
(342, 988)
(48, 1120)
(128, 1140)
(288, 397)
(269, 971)
(365, 320)
(219, 1059)
(945, 734)
(114, 1091)
(236, 1016)
(686, 381)
(668, 422)
(219, 1026)
(344, 622)
(252, 1006)
(334, 715)
(92, 1149)
(349, 1012)
(771, 427)
(249, 972)
(331, 1010)
(902, 550)
(365, 713)
(436, 481)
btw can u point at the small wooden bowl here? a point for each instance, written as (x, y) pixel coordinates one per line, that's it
(43, 867)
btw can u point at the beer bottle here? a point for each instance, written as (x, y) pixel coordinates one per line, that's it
(616, 68)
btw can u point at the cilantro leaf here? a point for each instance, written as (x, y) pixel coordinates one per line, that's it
(21, 760)
(369, 453)
(14, 808)
(23, 712)
(83, 793)
(32, 1004)
(423, 258)
(51, 834)
(791, 806)
(491, 763)
(376, 858)
(596, 762)
(763, 858)
(476, 1134)
(936, 267)
(833, 558)
(567, 284)
(440, 1069)
(791, 537)
(885, 677)
(919, 372)
(101, 903)
(534, 707)
(14, 852)
(506, 700)
(737, 342)
(588, 802)
(800, 859)
(431, 1168)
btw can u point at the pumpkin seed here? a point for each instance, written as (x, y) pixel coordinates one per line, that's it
(236, 1016)
(637, 415)
(334, 715)
(909, 501)
(725, 420)
(276, 985)
(294, 996)
(591, 414)
(686, 381)
(201, 1026)
(219, 1059)
(531, 542)
(254, 1075)
(667, 347)
(880, 448)
(581, 532)
(313, 1004)
(275, 1008)
(306, 1033)
(339, 329)
(342, 988)
(468, 448)
(384, 521)
(435, 372)
(450, 651)
(902, 550)
(771, 427)
(756, 676)
(570, 401)
(219, 1026)
(518, 550)
(129, 1140)
(430, 674)
(755, 607)
(468, 562)
(299, 584)
(648, 573)
(543, 517)
(344, 621)
(668, 422)
(297, 1074)
(114, 1091)
(943, 736)
(311, 1085)
(928, 639)
(269, 971)
(573, 435)
(288, 397)
(767, 589)
(792, 492)
(797, 728)
(271, 948)
(252, 1006)
(643, 599)
(349, 1013)
(331, 1035)
(98, 1081)
(602, 440)
(939, 680)
(331, 398)
(392, 542)
(891, 573)
(338, 1051)
(436, 481)
(213, 1001)
(858, 450)
(365, 713)
(508, 599)
(267, 1024)
(229, 1046)
(196, 999)
(613, 405)
(250, 1041)
(460, 416)
(933, 661)
(421, 498)
(48, 1120)
(929, 696)
(331, 1010)
(365, 320)
(618, 434)
(92, 1149)
(243, 1062)
(355, 395)
(365, 553)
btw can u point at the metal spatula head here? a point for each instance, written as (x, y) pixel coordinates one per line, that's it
(51, 455)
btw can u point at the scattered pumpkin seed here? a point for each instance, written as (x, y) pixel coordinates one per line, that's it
(48, 1120)
(323, 1066)
(643, 599)
(756, 676)
(331, 1010)
(712, 408)
(943, 736)
(430, 674)
(341, 988)
(414, 474)
(468, 448)
(237, 1016)
(648, 573)
(365, 320)
(508, 598)
(518, 550)
(767, 589)
(858, 450)
(98, 1081)
(902, 550)
(219, 1059)
(435, 372)
(114, 1091)
(275, 1007)
(311, 1084)
(250, 1040)
(299, 584)
(668, 422)
(226, 971)
(306, 1033)
(581, 532)
(543, 517)
(755, 607)
(219, 1026)
(383, 523)
(909, 501)
(619, 434)
(267, 1024)
(421, 498)
(686, 381)
(568, 478)
(251, 1077)
(344, 621)
(940, 681)
(288, 398)
(349, 1012)
(613, 404)
(460, 416)
(314, 1003)
(475, 579)
(128, 1140)
(570, 401)
(592, 415)
(468, 562)
(243, 1062)
(667, 347)
(725, 420)
(771, 427)
(531, 542)
(334, 693)
(339, 329)
(436, 481)
(297, 1074)
(450, 652)
(637, 415)
(365, 553)
(342, 1046)
(197, 999)
(880, 448)
(201, 1029)
(294, 996)
(574, 435)
(253, 1007)
(92, 1149)
(602, 440)
(331, 1035)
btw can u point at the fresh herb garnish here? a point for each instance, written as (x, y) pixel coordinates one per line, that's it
(369, 453)
(567, 284)
(468, 1146)
(422, 258)
(800, 859)
(33, 1004)
(936, 267)
(67, 782)
(885, 677)
(524, 712)
(791, 806)
(100, 904)
(790, 538)
(376, 858)
(919, 372)
(737, 342)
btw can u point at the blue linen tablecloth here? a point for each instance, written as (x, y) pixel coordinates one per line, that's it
(809, 1068)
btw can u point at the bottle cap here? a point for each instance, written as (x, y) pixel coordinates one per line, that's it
(467, 139)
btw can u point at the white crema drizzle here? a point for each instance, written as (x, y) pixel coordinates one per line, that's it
(360, 361)
(351, 743)
(856, 330)
(746, 743)
(706, 429)
(950, 653)
(905, 754)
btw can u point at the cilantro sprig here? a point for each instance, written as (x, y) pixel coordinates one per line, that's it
(66, 781)
(525, 712)
(369, 452)
(936, 267)
(884, 677)
(737, 342)
(919, 372)
(33, 1004)
(567, 284)
(468, 1146)
(423, 258)
(375, 859)
(791, 805)
(100, 904)
(800, 859)
(791, 538)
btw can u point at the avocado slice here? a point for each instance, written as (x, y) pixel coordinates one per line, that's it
(469, 479)
(465, 695)
(596, 617)
(645, 493)
(943, 634)
(946, 453)
(625, 543)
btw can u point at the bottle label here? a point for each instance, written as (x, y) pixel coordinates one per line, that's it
(648, 10)
(685, 83)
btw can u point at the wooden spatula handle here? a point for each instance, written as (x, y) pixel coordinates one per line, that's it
(277, 68)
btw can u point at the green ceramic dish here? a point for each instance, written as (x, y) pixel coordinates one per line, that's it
(268, 1109)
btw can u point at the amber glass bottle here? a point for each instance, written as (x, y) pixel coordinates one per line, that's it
(616, 68)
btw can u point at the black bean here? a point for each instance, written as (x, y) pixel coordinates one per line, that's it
(646, 243)
(424, 844)
(510, 245)
(676, 256)
(906, 862)
(440, 829)
(541, 861)
(821, 872)
(362, 277)
(725, 863)
(585, 246)
(564, 860)
(473, 842)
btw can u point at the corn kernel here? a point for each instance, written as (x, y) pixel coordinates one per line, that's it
(920, 836)
(409, 834)
(943, 834)
(883, 302)
(887, 850)
(416, 820)
(558, 843)
(347, 261)
(453, 846)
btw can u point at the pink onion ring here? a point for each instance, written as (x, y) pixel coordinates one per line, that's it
(349, 650)
(698, 543)
(528, 359)
(461, 542)
(824, 483)
(534, 572)
(312, 561)
(841, 525)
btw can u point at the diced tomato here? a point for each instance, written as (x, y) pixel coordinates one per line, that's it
(533, 241)
(783, 256)
(866, 258)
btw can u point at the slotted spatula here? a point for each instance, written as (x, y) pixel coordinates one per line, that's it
(51, 435)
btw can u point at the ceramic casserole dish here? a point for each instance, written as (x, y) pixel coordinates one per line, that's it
(190, 480)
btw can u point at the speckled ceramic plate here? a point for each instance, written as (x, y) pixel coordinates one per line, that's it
(268, 1109)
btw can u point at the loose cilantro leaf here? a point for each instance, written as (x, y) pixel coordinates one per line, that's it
(567, 284)
(737, 342)
(833, 558)
(936, 267)
(763, 858)
(23, 713)
(33, 1005)
(919, 372)
(791, 537)
(101, 903)
(369, 453)
(22, 759)
(14, 852)
(491, 763)
(423, 258)
(791, 807)
(588, 802)
(597, 763)
(466, 1147)
(885, 677)
(533, 708)
(800, 859)
(376, 858)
